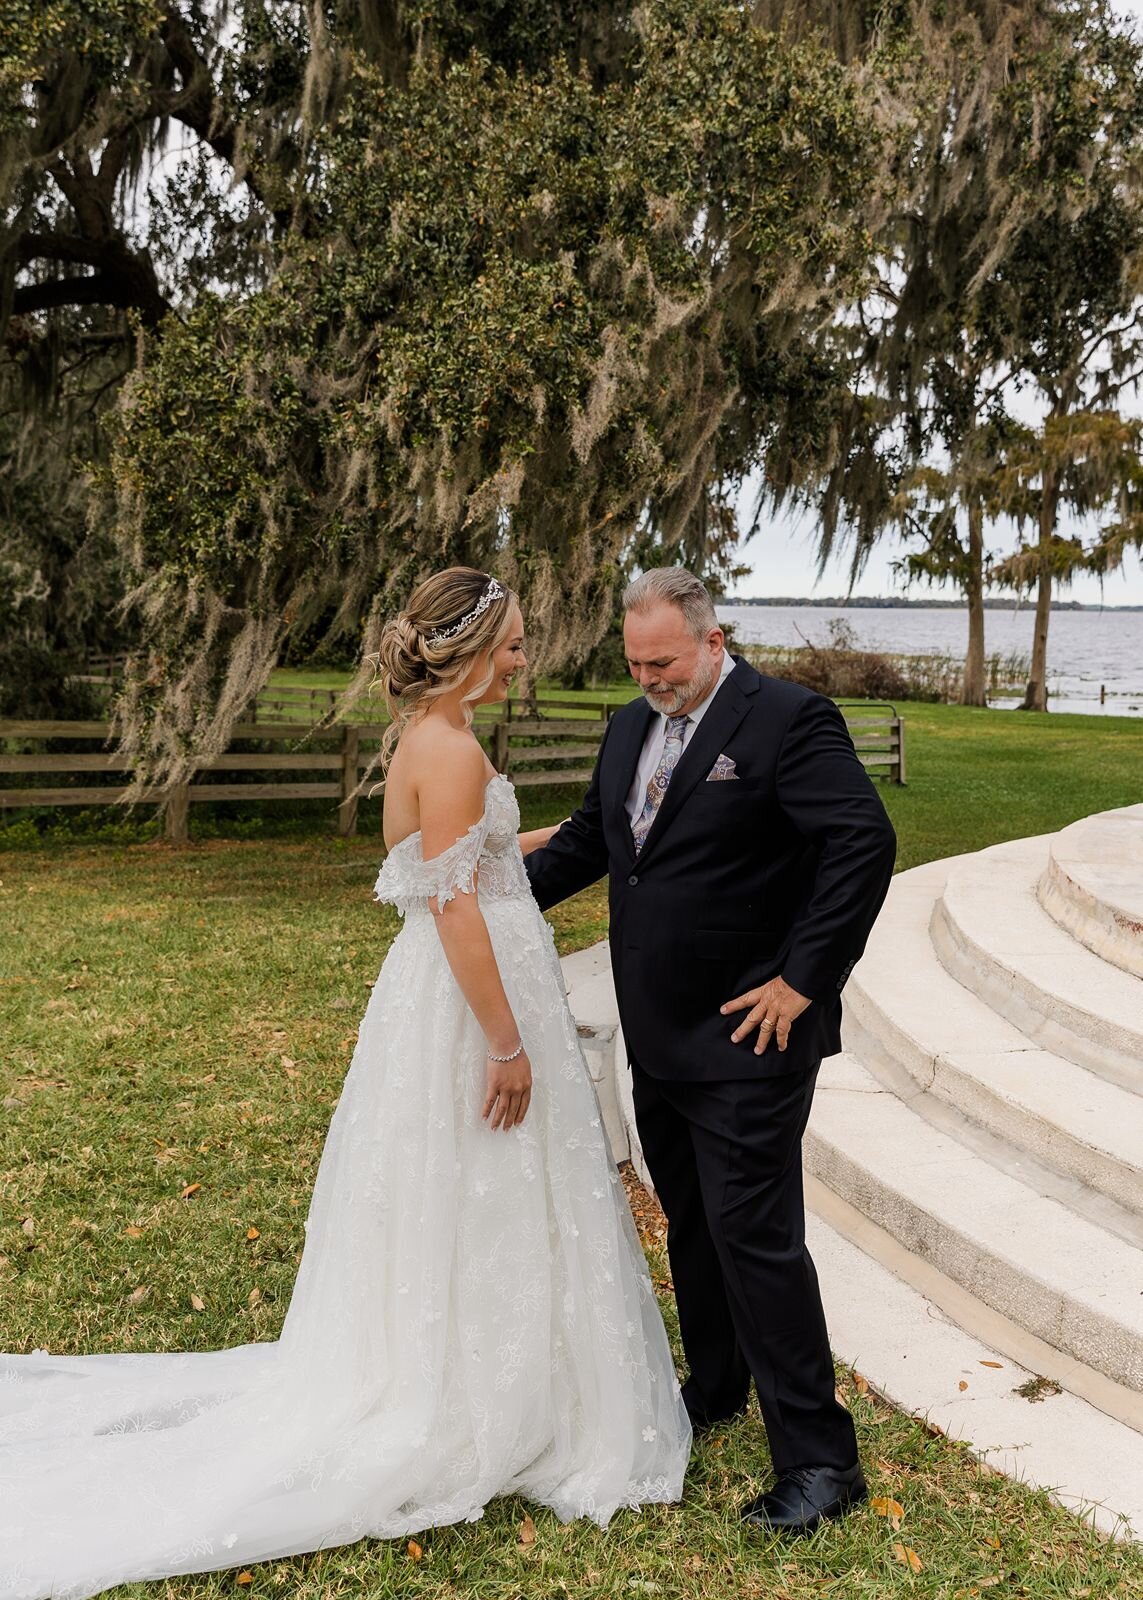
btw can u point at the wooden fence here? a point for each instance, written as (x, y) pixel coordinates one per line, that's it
(525, 740)
(878, 735)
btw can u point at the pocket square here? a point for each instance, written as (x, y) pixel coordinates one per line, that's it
(722, 770)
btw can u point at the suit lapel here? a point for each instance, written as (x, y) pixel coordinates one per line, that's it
(719, 721)
(624, 747)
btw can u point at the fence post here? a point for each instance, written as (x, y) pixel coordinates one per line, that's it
(900, 749)
(175, 814)
(500, 746)
(350, 755)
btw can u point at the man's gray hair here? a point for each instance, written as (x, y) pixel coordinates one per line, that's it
(676, 587)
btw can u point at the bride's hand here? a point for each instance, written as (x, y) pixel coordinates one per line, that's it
(509, 1091)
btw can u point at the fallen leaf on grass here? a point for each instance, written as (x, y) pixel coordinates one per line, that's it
(197, 1303)
(191, 1188)
(253, 1297)
(133, 1232)
(989, 1583)
(245, 1579)
(28, 1226)
(137, 1296)
(252, 1233)
(413, 1550)
(884, 1507)
(861, 1384)
(994, 1540)
(527, 1533)
(907, 1556)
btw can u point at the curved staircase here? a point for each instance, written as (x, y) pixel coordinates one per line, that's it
(981, 1135)
(988, 1109)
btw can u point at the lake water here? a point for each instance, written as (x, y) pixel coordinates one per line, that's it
(1086, 649)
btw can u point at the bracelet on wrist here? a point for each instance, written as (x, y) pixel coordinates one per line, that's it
(519, 1051)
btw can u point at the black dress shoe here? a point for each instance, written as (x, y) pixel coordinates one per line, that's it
(804, 1497)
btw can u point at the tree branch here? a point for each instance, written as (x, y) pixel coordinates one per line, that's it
(196, 104)
(198, 108)
(59, 247)
(108, 288)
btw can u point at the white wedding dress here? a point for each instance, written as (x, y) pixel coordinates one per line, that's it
(472, 1315)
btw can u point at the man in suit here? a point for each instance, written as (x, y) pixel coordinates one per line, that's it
(748, 855)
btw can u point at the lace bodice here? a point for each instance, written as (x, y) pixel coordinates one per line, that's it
(490, 848)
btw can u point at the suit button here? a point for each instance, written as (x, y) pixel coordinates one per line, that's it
(633, 879)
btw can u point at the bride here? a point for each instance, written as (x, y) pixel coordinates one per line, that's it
(472, 1315)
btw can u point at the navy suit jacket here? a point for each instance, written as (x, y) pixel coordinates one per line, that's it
(780, 870)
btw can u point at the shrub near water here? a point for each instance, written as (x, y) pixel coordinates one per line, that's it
(845, 672)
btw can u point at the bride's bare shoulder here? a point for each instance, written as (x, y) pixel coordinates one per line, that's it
(432, 750)
(435, 780)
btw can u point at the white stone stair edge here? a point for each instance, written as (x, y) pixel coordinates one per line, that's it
(590, 991)
(1089, 921)
(1109, 1041)
(1004, 1133)
(985, 1075)
(1093, 885)
(916, 1336)
(1059, 1276)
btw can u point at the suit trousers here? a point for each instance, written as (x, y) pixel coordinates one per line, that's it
(726, 1161)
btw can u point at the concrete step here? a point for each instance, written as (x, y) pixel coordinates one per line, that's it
(940, 1048)
(590, 992)
(993, 935)
(1093, 885)
(931, 1348)
(1055, 1274)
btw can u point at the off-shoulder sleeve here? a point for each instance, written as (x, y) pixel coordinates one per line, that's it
(405, 880)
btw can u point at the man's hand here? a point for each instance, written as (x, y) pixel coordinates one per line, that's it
(771, 1009)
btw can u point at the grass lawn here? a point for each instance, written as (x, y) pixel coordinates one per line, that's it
(976, 777)
(178, 1017)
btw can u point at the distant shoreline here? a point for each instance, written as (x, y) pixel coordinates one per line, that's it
(894, 603)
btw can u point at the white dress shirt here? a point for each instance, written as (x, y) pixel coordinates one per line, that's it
(657, 738)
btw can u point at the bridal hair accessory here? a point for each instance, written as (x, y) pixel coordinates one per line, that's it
(494, 591)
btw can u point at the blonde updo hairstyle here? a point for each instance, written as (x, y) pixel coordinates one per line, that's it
(413, 672)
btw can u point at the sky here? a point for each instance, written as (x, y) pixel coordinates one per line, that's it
(782, 559)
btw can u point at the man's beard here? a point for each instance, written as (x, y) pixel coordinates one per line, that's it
(671, 700)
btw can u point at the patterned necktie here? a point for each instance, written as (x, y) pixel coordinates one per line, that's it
(660, 778)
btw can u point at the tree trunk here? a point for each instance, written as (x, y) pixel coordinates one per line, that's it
(972, 688)
(1036, 693)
